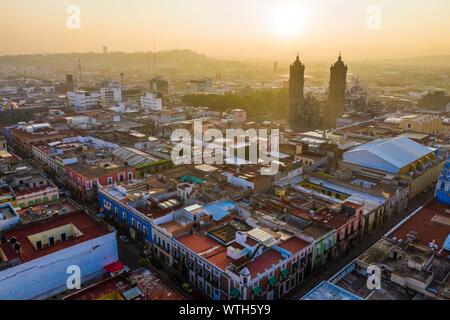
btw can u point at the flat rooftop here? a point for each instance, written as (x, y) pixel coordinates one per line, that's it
(329, 291)
(7, 211)
(47, 210)
(431, 223)
(150, 285)
(294, 245)
(89, 228)
(199, 243)
(263, 262)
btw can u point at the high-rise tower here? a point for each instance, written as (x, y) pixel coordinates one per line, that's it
(296, 94)
(335, 105)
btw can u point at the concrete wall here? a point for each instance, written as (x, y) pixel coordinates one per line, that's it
(46, 276)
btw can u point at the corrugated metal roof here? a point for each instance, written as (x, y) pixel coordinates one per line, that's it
(389, 155)
(447, 243)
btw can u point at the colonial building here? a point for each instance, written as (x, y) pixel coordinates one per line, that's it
(42, 252)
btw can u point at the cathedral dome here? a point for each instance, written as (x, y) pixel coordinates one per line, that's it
(297, 63)
(339, 62)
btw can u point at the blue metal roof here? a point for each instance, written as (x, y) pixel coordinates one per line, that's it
(447, 243)
(329, 291)
(219, 209)
(388, 155)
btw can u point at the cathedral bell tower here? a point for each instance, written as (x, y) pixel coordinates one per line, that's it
(296, 94)
(335, 105)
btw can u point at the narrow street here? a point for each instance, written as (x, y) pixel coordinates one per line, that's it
(130, 254)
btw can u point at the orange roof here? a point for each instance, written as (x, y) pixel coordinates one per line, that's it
(263, 262)
(294, 245)
(220, 260)
(90, 228)
(427, 230)
(198, 243)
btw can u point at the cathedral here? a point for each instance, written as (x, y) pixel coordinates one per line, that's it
(304, 113)
(335, 105)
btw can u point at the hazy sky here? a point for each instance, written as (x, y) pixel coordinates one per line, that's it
(236, 29)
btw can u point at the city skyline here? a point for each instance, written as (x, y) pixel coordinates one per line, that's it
(260, 29)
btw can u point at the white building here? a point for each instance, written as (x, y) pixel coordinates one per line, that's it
(203, 85)
(152, 101)
(36, 261)
(83, 100)
(110, 95)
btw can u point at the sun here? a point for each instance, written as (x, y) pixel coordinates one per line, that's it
(287, 19)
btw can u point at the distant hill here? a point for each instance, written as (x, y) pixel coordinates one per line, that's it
(438, 60)
(173, 60)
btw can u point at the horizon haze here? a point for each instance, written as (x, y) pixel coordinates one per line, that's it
(237, 30)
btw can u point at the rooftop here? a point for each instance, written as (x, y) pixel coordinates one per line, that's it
(199, 243)
(388, 155)
(430, 223)
(151, 287)
(88, 229)
(329, 291)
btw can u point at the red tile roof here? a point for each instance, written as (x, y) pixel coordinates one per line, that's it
(427, 230)
(220, 260)
(263, 262)
(198, 243)
(294, 245)
(90, 228)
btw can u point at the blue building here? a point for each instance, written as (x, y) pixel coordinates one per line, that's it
(114, 202)
(443, 185)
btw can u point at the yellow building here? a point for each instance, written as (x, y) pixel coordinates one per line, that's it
(399, 158)
(421, 123)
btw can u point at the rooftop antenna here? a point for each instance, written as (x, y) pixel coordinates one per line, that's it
(79, 69)
(154, 57)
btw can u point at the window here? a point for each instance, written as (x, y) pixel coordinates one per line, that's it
(110, 180)
(130, 175)
(145, 231)
(124, 216)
